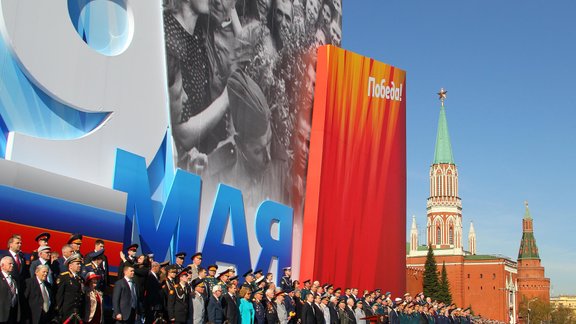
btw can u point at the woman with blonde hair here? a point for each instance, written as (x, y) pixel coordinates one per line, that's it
(246, 308)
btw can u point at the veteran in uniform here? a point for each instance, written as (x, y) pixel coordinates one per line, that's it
(70, 295)
(259, 310)
(286, 282)
(95, 266)
(210, 280)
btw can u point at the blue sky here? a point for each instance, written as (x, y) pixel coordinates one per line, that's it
(509, 68)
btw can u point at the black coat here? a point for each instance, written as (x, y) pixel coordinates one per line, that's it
(319, 314)
(308, 315)
(334, 318)
(122, 299)
(178, 300)
(351, 316)
(153, 300)
(19, 273)
(271, 313)
(231, 311)
(69, 295)
(33, 294)
(6, 297)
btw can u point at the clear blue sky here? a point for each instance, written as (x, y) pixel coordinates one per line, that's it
(510, 71)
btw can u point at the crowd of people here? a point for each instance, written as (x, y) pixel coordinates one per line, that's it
(72, 288)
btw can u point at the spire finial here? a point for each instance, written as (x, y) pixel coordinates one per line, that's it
(442, 95)
(526, 203)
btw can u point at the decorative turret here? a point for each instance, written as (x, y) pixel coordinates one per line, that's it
(413, 235)
(532, 281)
(472, 239)
(528, 248)
(444, 208)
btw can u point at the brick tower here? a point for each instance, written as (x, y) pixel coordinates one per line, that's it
(531, 280)
(444, 207)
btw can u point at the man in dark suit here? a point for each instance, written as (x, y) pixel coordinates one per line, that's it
(66, 253)
(215, 311)
(230, 304)
(350, 302)
(20, 270)
(39, 295)
(153, 300)
(10, 305)
(44, 258)
(308, 313)
(125, 298)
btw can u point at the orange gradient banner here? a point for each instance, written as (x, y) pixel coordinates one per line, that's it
(355, 211)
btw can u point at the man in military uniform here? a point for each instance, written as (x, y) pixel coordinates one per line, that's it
(211, 280)
(223, 280)
(196, 261)
(130, 259)
(259, 311)
(70, 295)
(169, 283)
(42, 240)
(248, 279)
(179, 260)
(95, 266)
(271, 311)
(75, 242)
(306, 289)
(286, 280)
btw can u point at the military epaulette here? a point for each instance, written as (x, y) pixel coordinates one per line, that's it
(87, 264)
(64, 273)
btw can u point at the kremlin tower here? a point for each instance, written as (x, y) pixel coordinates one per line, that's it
(487, 283)
(531, 281)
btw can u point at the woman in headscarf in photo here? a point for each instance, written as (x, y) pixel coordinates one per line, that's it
(199, 122)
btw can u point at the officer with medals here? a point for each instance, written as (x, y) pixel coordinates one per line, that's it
(70, 293)
(169, 283)
(179, 298)
(259, 310)
(271, 311)
(95, 266)
(286, 280)
(210, 280)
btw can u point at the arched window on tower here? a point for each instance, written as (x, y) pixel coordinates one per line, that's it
(438, 235)
(451, 235)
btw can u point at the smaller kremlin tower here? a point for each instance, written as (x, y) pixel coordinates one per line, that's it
(531, 280)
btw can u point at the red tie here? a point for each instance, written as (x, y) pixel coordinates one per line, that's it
(17, 259)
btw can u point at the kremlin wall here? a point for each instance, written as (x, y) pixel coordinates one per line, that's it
(494, 286)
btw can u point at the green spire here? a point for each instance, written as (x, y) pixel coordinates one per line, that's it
(443, 150)
(527, 212)
(528, 248)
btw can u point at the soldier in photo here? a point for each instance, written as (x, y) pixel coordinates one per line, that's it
(70, 292)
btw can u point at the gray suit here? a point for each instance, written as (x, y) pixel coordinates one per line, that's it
(198, 303)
